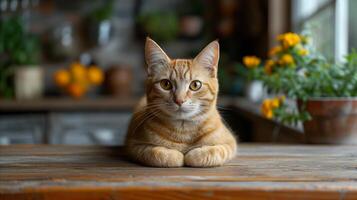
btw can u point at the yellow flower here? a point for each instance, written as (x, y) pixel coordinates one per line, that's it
(268, 67)
(303, 52)
(275, 103)
(282, 99)
(289, 39)
(275, 50)
(269, 105)
(267, 109)
(268, 113)
(251, 61)
(286, 59)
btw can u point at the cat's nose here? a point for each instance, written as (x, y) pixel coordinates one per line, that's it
(179, 101)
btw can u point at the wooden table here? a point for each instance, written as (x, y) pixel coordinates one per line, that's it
(259, 172)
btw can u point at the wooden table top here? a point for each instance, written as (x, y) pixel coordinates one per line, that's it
(258, 172)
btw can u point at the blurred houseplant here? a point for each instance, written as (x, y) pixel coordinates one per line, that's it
(19, 52)
(191, 21)
(100, 25)
(325, 92)
(161, 26)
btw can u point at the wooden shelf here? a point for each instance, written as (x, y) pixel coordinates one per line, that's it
(68, 104)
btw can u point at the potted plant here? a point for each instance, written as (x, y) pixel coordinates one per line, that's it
(325, 92)
(190, 20)
(161, 26)
(19, 52)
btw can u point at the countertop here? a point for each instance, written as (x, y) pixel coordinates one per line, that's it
(259, 171)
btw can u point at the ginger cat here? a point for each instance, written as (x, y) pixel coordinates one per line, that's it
(177, 122)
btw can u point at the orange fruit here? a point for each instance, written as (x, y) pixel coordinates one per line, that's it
(76, 90)
(62, 77)
(95, 75)
(78, 71)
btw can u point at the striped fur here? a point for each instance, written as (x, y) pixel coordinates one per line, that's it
(164, 134)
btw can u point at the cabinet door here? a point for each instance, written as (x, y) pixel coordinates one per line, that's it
(22, 129)
(88, 128)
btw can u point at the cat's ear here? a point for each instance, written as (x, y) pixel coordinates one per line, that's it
(208, 58)
(154, 56)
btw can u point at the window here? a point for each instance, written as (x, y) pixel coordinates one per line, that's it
(328, 23)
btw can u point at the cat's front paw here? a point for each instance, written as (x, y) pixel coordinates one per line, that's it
(163, 157)
(206, 156)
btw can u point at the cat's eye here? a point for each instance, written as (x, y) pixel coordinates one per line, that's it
(195, 85)
(165, 84)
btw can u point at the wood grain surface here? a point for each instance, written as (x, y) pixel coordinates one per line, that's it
(258, 172)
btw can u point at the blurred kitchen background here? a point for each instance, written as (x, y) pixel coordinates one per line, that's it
(71, 71)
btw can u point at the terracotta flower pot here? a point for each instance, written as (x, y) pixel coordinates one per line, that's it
(334, 121)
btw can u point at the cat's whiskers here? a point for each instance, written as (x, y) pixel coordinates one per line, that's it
(223, 108)
(144, 112)
(199, 117)
(146, 117)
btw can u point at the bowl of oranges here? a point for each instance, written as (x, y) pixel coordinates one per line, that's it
(78, 79)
